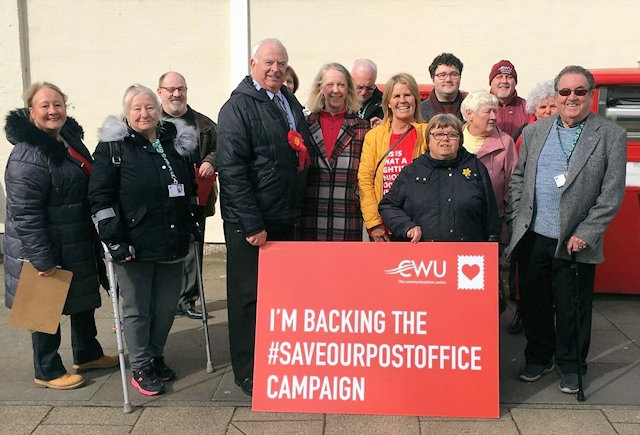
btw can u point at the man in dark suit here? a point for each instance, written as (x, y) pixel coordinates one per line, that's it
(261, 185)
(567, 187)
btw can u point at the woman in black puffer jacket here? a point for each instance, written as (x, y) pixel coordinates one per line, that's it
(143, 211)
(48, 224)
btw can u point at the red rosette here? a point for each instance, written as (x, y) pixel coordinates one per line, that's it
(297, 143)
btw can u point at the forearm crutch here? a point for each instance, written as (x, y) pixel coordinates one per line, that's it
(576, 302)
(113, 285)
(203, 302)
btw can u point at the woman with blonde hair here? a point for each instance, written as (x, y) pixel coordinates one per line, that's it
(49, 225)
(388, 148)
(331, 208)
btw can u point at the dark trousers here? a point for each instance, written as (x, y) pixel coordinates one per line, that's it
(548, 287)
(242, 292)
(149, 290)
(190, 291)
(47, 363)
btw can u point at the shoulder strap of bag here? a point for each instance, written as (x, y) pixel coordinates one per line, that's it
(116, 154)
(391, 148)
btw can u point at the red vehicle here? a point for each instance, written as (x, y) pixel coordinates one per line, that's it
(617, 97)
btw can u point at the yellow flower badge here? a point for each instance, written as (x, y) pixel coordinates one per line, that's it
(466, 172)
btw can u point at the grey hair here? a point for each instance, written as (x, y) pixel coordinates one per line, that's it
(254, 52)
(365, 64)
(475, 99)
(138, 89)
(541, 91)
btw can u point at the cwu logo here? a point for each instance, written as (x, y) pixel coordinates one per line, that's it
(409, 268)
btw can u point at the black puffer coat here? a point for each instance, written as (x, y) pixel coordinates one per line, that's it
(451, 200)
(259, 178)
(156, 225)
(48, 220)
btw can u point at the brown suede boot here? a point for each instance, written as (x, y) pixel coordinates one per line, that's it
(64, 382)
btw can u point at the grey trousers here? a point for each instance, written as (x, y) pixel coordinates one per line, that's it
(149, 292)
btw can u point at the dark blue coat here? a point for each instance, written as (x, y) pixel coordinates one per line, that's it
(48, 221)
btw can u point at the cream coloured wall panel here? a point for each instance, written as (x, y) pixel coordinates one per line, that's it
(93, 49)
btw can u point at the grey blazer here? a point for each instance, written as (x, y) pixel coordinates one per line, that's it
(591, 195)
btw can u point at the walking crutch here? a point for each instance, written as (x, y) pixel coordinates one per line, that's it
(116, 319)
(205, 317)
(576, 302)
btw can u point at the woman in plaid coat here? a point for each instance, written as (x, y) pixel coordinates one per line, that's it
(331, 208)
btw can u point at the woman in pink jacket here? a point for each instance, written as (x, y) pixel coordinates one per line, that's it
(495, 149)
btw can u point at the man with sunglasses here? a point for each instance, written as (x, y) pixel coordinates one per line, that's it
(364, 74)
(512, 110)
(172, 89)
(567, 187)
(445, 71)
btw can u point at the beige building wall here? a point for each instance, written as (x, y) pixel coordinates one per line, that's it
(94, 49)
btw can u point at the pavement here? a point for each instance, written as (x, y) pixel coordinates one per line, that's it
(202, 402)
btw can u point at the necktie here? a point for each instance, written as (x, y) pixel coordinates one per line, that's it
(280, 105)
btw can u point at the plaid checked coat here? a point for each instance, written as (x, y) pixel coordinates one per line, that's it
(331, 208)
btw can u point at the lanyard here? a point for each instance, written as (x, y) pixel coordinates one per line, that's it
(573, 145)
(158, 147)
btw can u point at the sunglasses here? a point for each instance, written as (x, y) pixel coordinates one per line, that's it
(580, 92)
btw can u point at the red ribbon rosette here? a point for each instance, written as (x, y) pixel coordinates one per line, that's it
(297, 143)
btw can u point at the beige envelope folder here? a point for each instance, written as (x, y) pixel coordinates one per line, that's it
(39, 300)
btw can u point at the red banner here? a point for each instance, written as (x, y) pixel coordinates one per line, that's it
(378, 328)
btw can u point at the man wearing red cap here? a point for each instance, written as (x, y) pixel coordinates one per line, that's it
(512, 112)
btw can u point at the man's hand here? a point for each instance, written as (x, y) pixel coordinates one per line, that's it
(414, 234)
(206, 170)
(575, 244)
(258, 239)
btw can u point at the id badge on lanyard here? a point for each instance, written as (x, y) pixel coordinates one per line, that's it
(176, 190)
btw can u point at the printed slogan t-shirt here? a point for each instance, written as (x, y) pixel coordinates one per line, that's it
(398, 158)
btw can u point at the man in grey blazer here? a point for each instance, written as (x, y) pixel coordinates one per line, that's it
(567, 187)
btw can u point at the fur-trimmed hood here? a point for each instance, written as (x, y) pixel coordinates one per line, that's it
(20, 129)
(114, 130)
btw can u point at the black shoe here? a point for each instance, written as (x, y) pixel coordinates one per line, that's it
(187, 309)
(516, 324)
(246, 385)
(163, 371)
(146, 381)
(533, 372)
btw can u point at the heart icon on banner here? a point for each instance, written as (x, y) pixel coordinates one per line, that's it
(470, 271)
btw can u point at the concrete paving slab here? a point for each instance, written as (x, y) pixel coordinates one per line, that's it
(561, 421)
(89, 415)
(21, 419)
(626, 429)
(80, 429)
(245, 414)
(469, 427)
(184, 420)
(371, 424)
(622, 415)
(279, 428)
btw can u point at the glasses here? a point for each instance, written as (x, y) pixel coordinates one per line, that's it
(363, 88)
(180, 89)
(452, 75)
(451, 135)
(580, 92)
